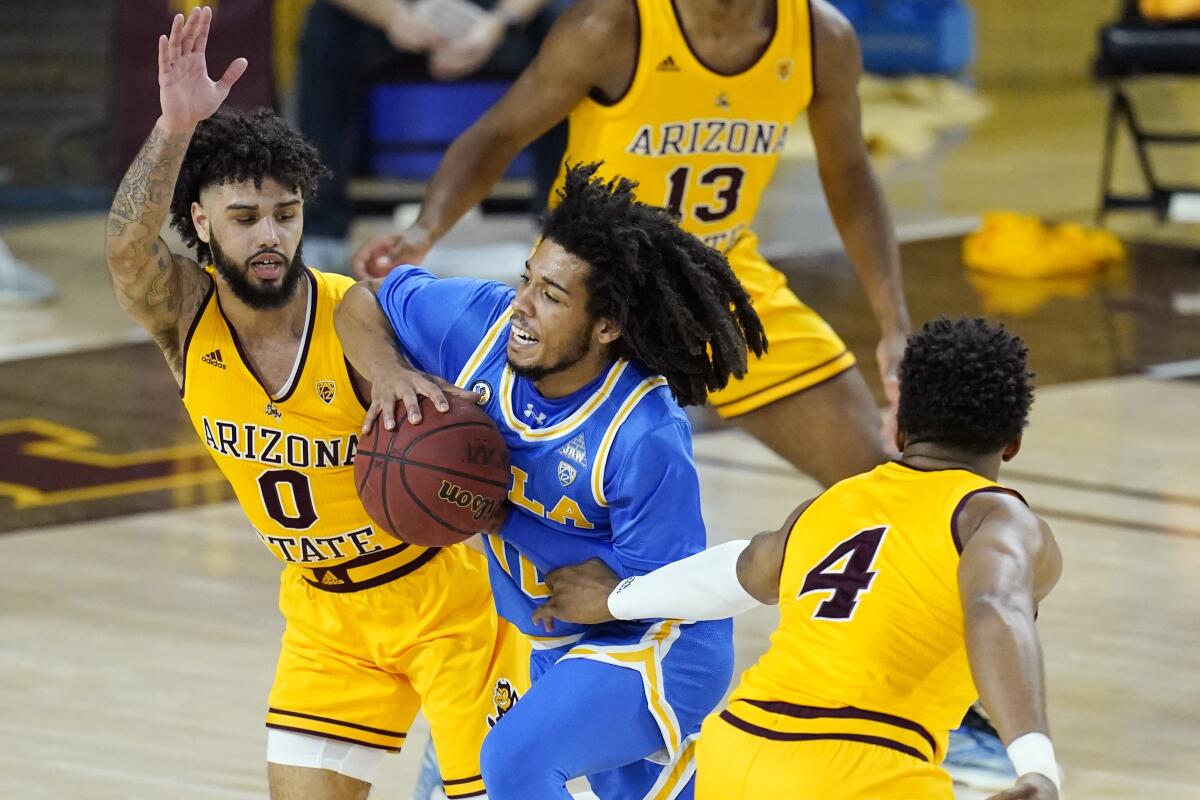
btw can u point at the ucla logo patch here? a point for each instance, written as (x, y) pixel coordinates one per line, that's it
(326, 391)
(575, 450)
(484, 390)
(504, 697)
(566, 474)
(784, 68)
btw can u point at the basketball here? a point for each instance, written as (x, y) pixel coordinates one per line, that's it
(435, 483)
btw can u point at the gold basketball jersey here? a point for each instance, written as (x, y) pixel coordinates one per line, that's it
(289, 453)
(871, 621)
(700, 142)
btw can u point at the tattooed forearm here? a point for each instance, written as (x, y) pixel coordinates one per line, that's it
(144, 196)
(147, 277)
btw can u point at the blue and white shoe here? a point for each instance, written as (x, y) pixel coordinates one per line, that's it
(976, 757)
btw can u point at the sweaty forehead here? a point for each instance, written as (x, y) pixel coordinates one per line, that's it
(270, 194)
(553, 262)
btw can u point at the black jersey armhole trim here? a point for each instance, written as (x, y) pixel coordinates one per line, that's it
(812, 49)
(187, 340)
(958, 545)
(597, 96)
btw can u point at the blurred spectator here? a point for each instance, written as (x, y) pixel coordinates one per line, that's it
(350, 45)
(19, 284)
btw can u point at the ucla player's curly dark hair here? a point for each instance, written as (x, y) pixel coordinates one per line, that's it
(233, 146)
(683, 314)
(964, 384)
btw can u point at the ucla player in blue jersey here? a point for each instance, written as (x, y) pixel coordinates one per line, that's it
(620, 318)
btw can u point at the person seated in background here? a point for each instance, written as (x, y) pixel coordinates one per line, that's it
(21, 285)
(348, 45)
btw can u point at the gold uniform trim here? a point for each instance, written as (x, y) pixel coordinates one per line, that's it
(568, 425)
(483, 348)
(635, 397)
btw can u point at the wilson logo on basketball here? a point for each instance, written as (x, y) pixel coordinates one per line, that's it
(456, 495)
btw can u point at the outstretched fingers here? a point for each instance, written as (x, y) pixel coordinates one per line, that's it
(201, 40)
(232, 73)
(164, 59)
(175, 39)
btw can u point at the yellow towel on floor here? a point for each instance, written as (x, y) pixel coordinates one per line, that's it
(1021, 246)
(1169, 9)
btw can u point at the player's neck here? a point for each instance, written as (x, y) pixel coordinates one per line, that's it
(573, 378)
(256, 324)
(929, 456)
(715, 17)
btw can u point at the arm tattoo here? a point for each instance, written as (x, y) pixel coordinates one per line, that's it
(138, 211)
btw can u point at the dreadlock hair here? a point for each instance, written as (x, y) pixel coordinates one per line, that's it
(964, 384)
(682, 312)
(233, 146)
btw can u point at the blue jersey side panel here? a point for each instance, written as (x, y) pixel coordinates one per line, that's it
(606, 472)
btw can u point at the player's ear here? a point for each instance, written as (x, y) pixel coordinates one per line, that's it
(200, 221)
(900, 438)
(1011, 449)
(607, 330)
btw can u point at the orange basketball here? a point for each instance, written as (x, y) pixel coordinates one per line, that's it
(435, 483)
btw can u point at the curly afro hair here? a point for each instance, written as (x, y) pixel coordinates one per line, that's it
(964, 384)
(683, 314)
(233, 146)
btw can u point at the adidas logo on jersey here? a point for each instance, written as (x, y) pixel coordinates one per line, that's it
(213, 359)
(667, 65)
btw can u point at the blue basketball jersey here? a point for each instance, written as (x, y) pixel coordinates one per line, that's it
(606, 472)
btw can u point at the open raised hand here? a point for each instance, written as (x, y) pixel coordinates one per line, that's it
(185, 92)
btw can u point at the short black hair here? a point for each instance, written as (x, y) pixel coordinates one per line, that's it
(233, 146)
(964, 384)
(683, 314)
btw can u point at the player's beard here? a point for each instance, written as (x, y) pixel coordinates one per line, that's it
(258, 297)
(575, 353)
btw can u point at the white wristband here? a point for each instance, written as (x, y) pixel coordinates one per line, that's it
(703, 586)
(1033, 752)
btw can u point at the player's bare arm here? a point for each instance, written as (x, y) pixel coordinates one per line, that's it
(720, 582)
(853, 192)
(591, 47)
(1010, 561)
(161, 291)
(370, 345)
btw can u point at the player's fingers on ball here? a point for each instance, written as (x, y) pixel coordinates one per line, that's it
(387, 411)
(434, 393)
(412, 404)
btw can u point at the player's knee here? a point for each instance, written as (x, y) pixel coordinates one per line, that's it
(512, 759)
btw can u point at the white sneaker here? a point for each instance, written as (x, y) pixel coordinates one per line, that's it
(20, 285)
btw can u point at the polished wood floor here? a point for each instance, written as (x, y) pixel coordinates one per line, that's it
(138, 628)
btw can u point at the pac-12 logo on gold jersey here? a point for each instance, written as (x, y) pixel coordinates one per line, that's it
(326, 390)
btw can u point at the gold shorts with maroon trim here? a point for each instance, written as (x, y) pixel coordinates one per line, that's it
(754, 750)
(357, 665)
(803, 350)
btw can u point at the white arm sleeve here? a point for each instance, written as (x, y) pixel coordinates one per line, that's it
(703, 586)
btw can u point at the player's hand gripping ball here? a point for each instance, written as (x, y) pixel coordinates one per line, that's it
(438, 482)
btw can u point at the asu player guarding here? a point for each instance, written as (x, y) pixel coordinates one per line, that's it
(904, 594)
(619, 318)
(694, 100)
(375, 628)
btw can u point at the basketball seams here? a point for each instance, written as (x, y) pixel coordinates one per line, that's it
(423, 508)
(387, 514)
(421, 504)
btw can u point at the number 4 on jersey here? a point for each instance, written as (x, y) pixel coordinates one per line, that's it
(855, 556)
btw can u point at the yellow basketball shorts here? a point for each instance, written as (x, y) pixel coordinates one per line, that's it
(803, 350)
(357, 666)
(740, 760)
